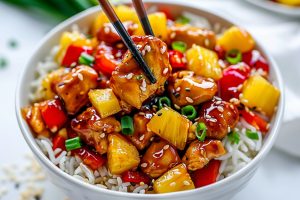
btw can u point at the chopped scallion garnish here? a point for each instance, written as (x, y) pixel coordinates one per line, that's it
(201, 128)
(234, 137)
(3, 63)
(233, 56)
(127, 125)
(183, 20)
(86, 59)
(252, 135)
(189, 111)
(73, 143)
(163, 102)
(179, 46)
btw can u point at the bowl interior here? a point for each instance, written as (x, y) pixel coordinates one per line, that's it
(84, 20)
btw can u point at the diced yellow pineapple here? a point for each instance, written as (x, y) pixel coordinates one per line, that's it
(125, 13)
(171, 126)
(236, 38)
(158, 21)
(290, 2)
(204, 62)
(74, 38)
(121, 154)
(104, 101)
(259, 93)
(63, 133)
(174, 180)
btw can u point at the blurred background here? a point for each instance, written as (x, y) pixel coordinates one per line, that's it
(24, 22)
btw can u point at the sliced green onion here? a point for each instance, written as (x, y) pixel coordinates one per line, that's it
(234, 137)
(252, 135)
(189, 111)
(183, 20)
(127, 125)
(86, 59)
(164, 101)
(233, 56)
(3, 62)
(201, 127)
(73, 143)
(179, 46)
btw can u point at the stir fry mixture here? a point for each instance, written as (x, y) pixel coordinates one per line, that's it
(99, 107)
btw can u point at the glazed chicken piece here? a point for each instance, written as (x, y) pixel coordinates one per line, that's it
(187, 88)
(141, 136)
(219, 117)
(93, 130)
(159, 158)
(128, 81)
(200, 153)
(192, 35)
(33, 116)
(107, 33)
(74, 87)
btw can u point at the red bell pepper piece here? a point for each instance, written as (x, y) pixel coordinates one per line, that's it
(233, 77)
(73, 53)
(53, 114)
(207, 175)
(135, 177)
(255, 120)
(255, 60)
(59, 142)
(177, 59)
(107, 58)
(90, 158)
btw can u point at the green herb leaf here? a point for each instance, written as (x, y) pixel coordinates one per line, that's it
(252, 135)
(234, 137)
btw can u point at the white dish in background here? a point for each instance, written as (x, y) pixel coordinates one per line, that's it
(77, 189)
(277, 7)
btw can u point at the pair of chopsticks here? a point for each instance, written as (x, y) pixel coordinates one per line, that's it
(114, 19)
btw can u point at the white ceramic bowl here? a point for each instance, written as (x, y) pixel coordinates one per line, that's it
(76, 189)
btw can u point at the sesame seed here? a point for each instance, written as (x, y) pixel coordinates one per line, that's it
(207, 116)
(144, 165)
(217, 98)
(231, 106)
(228, 129)
(138, 46)
(178, 89)
(187, 89)
(129, 76)
(177, 107)
(148, 48)
(220, 108)
(189, 100)
(186, 183)
(106, 30)
(166, 147)
(206, 42)
(218, 102)
(165, 71)
(80, 76)
(173, 35)
(142, 137)
(118, 55)
(172, 184)
(143, 86)
(102, 135)
(213, 120)
(163, 49)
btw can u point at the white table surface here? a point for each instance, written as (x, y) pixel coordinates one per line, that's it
(277, 178)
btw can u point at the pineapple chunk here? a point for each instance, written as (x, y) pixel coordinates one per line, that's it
(105, 102)
(174, 180)
(236, 38)
(158, 23)
(75, 38)
(259, 93)
(171, 126)
(204, 62)
(121, 154)
(125, 13)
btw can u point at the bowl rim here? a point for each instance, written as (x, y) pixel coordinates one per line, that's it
(219, 184)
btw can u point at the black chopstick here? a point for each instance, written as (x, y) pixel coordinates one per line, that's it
(107, 8)
(141, 12)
